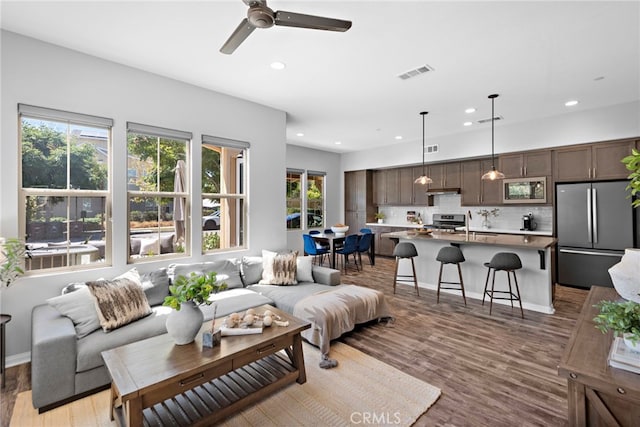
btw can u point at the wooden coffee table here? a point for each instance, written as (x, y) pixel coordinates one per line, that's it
(156, 382)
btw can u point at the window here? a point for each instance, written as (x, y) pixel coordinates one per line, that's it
(294, 199)
(311, 201)
(315, 199)
(64, 188)
(224, 215)
(157, 191)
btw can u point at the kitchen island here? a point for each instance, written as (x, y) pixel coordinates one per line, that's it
(535, 279)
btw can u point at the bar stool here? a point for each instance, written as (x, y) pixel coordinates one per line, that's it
(503, 261)
(450, 255)
(405, 250)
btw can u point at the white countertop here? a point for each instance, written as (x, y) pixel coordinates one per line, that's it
(477, 229)
(407, 225)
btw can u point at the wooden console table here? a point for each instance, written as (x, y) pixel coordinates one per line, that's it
(599, 395)
(155, 382)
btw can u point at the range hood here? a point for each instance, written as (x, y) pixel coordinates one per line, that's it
(439, 191)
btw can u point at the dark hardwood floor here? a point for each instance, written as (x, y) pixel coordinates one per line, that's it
(497, 370)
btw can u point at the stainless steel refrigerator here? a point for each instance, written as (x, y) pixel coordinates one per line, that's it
(594, 223)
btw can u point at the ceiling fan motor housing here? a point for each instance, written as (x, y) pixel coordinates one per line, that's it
(261, 16)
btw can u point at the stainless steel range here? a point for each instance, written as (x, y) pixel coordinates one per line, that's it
(447, 222)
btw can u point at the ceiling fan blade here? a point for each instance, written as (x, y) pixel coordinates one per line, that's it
(290, 19)
(238, 36)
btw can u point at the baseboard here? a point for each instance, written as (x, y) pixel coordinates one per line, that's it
(18, 359)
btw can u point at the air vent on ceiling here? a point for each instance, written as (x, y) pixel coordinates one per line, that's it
(415, 72)
(488, 120)
(428, 149)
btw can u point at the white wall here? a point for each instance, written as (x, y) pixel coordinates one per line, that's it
(317, 160)
(45, 75)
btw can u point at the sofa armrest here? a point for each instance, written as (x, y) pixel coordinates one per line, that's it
(326, 276)
(53, 356)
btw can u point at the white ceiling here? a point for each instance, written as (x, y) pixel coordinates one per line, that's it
(344, 86)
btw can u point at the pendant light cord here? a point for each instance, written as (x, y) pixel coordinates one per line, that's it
(424, 113)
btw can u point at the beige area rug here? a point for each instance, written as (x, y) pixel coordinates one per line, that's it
(361, 390)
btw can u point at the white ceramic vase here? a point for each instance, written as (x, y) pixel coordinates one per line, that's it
(625, 275)
(183, 325)
(630, 344)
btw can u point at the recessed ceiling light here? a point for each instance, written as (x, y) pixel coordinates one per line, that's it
(338, 142)
(278, 65)
(467, 123)
(470, 110)
(299, 134)
(399, 137)
(571, 103)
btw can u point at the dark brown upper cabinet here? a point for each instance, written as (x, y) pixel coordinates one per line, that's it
(475, 191)
(444, 175)
(527, 164)
(592, 162)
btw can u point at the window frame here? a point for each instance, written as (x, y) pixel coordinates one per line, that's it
(304, 198)
(239, 223)
(170, 134)
(70, 119)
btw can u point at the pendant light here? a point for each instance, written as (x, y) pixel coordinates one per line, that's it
(423, 179)
(493, 174)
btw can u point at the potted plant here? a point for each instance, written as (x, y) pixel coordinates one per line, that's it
(186, 294)
(11, 258)
(632, 162)
(380, 216)
(621, 317)
(485, 214)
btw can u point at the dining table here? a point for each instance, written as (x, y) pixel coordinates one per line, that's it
(336, 241)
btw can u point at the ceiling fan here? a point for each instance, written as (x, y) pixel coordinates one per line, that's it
(261, 16)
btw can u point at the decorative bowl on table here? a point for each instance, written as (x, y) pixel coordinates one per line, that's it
(340, 230)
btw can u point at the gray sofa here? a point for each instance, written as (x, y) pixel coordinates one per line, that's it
(66, 365)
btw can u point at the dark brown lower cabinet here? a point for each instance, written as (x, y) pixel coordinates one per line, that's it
(598, 395)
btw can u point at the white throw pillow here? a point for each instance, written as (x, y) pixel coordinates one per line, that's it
(149, 247)
(304, 269)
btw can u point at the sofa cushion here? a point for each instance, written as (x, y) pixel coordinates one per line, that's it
(228, 271)
(119, 302)
(278, 268)
(78, 306)
(251, 270)
(304, 269)
(156, 285)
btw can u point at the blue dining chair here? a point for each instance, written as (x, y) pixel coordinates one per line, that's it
(364, 245)
(350, 247)
(366, 231)
(310, 248)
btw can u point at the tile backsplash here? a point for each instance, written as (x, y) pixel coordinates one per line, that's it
(509, 217)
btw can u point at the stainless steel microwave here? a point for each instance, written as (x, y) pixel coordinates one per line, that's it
(525, 190)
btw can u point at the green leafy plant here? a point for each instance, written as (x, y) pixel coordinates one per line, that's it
(210, 241)
(13, 251)
(632, 162)
(195, 287)
(619, 317)
(379, 215)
